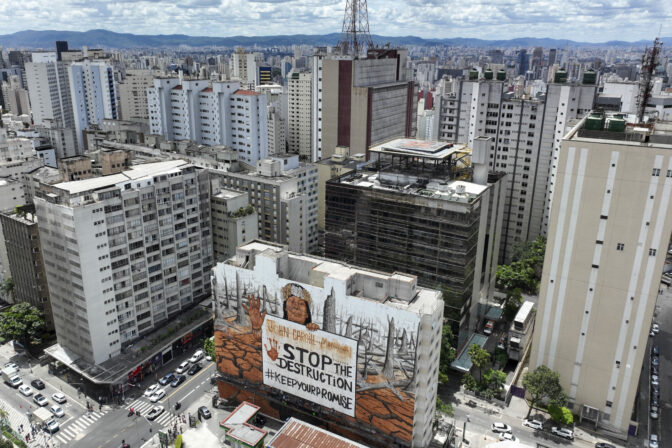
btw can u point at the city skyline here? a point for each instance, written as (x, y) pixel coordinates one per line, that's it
(578, 19)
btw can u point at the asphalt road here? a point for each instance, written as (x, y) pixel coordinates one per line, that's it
(663, 316)
(117, 425)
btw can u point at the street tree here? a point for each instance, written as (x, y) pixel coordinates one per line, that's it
(561, 414)
(209, 347)
(492, 383)
(22, 322)
(447, 353)
(543, 385)
(479, 357)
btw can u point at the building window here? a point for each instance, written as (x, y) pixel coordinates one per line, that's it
(609, 404)
(652, 252)
(620, 246)
(655, 172)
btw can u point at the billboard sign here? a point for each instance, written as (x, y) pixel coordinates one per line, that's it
(312, 364)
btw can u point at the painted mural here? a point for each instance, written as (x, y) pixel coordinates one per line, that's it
(383, 339)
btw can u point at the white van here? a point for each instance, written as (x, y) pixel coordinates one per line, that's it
(197, 356)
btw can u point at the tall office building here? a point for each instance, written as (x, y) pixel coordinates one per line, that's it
(284, 195)
(15, 97)
(50, 99)
(61, 47)
(317, 64)
(299, 115)
(526, 134)
(124, 253)
(133, 95)
(410, 212)
(95, 94)
(366, 101)
(522, 62)
(218, 113)
(609, 231)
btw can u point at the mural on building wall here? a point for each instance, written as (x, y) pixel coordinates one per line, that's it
(384, 337)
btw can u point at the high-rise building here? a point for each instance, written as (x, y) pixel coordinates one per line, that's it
(49, 92)
(299, 116)
(276, 124)
(218, 113)
(408, 212)
(609, 232)
(138, 250)
(284, 194)
(234, 222)
(24, 256)
(522, 62)
(377, 334)
(366, 101)
(526, 134)
(133, 95)
(552, 54)
(317, 84)
(61, 47)
(95, 94)
(15, 97)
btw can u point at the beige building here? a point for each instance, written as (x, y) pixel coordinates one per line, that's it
(16, 97)
(609, 229)
(76, 168)
(299, 115)
(133, 95)
(234, 222)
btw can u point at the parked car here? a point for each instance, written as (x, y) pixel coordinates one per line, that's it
(193, 369)
(654, 370)
(158, 395)
(655, 361)
(653, 441)
(500, 427)
(26, 390)
(167, 379)
(11, 365)
(654, 412)
(179, 379)
(655, 351)
(655, 328)
(502, 343)
(204, 412)
(604, 445)
(563, 432)
(51, 426)
(654, 380)
(155, 412)
(151, 389)
(40, 400)
(489, 327)
(37, 384)
(654, 401)
(59, 398)
(182, 367)
(534, 424)
(507, 436)
(57, 411)
(197, 356)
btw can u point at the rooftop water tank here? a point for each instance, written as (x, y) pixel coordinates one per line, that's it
(595, 122)
(589, 77)
(560, 76)
(488, 74)
(473, 75)
(616, 125)
(501, 75)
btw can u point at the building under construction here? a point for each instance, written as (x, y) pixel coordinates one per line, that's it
(419, 210)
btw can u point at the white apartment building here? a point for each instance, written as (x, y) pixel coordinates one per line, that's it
(276, 124)
(608, 235)
(284, 194)
(94, 92)
(525, 133)
(317, 63)
(133, 95)
(218, 113)
(124, 253)
(299, 115)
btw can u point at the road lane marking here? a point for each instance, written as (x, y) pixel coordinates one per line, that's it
(188, 381)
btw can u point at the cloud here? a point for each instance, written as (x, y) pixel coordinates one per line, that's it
(588, 20)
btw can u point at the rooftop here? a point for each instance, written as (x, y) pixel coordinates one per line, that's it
(245, 92)
(606, 127)
(298, 434)
(418, 148)
(228, 194)
(134, 173)
(238, 427)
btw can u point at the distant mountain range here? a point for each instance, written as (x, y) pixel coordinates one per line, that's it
(110, 39)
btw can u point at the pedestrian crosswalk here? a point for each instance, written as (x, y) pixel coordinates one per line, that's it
(15, 417)
(70, 430)
(166, 420)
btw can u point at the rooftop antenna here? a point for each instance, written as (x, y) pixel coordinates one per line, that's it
(649, 63)
(355, 33)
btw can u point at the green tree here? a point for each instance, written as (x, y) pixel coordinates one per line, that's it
(512, 304)
(209, 347)
(4, 443)
(492, 383)
(447, 353)
(22, 322)
(7, 288)
(469, 382)
(479, 357)
(444, 407)
(543, 384)
(500, 357)
(561, 414)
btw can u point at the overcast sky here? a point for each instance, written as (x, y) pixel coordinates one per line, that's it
(584, 20)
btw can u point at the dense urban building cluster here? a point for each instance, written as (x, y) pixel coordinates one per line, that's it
(352, 224)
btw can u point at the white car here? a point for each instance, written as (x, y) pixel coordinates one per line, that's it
(655, 328)
(151, 389)
(653, 441)
(26, 390)
(563, 432)
(654, 412)
(59, 398)
(534, 424)
(507, 436)
(208, 358)
(15, 381)
(500, 427)
(157, 395)
(11, 365)
(197, 356)
(57, 411)
(51, 426)
(182, 368)
(40, 400)
(155, 412)
(654, 380)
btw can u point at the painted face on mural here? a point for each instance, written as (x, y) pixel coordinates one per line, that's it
(297, 306)
(297, 310)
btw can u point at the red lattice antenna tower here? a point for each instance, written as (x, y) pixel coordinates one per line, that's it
(649, 63)
(355, 33)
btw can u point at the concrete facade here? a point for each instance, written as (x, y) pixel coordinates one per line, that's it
(133, 95)
(299, 116)
(234, 222)
(608, 235)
